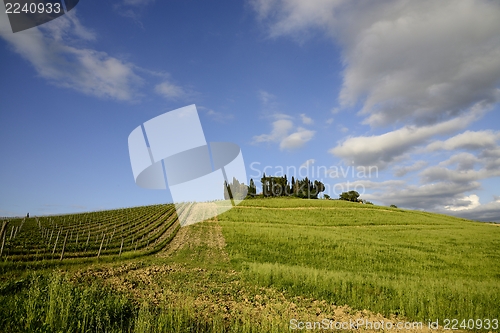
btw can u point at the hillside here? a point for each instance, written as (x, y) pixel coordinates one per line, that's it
(388, 260)
(252, 269)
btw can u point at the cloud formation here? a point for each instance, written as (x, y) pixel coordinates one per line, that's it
(285, 134)
(402, 171)
(426, 69)
(59, 53)
(471, 140)
(297, 139)
(55, 51)
(266, 98)
(170, 90)
(305, 119)
(465, 203)
(216, 115)
(137, 2)
(406, 61)
(485, 212)
(382, 150)
(443, 197)
(433, 196)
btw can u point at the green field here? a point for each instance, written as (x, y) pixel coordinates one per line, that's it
(391, 261)
(251, 269)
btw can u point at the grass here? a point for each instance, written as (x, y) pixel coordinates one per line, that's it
(254, 268)
(419, 265)
(53, 304)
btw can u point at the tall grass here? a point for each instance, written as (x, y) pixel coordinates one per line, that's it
(186, 319)
(52, 303)
(412, 297)
(420, 265)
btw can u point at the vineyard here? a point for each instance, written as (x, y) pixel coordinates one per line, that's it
(95, 234)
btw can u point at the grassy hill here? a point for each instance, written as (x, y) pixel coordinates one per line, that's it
(251, 269)
(388, 260)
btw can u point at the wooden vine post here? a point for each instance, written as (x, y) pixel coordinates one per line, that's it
(121, 247)
(2, 236)
(100, 247)
(64, 245)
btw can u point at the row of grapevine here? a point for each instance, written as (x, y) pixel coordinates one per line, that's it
(91, 234)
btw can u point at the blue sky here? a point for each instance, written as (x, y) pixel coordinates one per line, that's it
(410, 89)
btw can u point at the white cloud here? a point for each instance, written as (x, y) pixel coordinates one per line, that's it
(137, 2)
(433, 196)
(216, 115)
(406, 61)
(402, 171)
(170, 90)
(463, 161)
(305, 119)
(280, 133)
(343, 129)
(297, 140)
(57, 50)
(280, 130)
(50, 52)
(362, 185)
(280, 116)
(265, 97)
(283, 130)
(467, 202)
(483, 212)
(294, 17)
(67, 27)
(425, 62)
(329, 121)
(468, 140)
(444, 195)
(432, 66)
(436, 173)
(132, 9)
(381, 150)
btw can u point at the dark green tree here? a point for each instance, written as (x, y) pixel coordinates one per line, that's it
(227, 191)
(235, 190)
(349, 196)
(252, 190)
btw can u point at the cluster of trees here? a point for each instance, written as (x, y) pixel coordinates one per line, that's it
(235, 190)
(352, 196)
(280, 187)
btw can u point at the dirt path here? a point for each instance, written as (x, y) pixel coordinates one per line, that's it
(315, 208)
(194, 235)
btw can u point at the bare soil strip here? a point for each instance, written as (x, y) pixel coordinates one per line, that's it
(315, 208)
